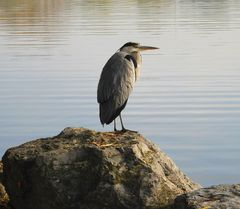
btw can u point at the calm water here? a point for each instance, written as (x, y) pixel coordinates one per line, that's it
(187, 100)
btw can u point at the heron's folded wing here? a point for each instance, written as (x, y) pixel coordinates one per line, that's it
(117, 79)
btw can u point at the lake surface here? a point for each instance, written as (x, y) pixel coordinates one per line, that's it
(187, 99)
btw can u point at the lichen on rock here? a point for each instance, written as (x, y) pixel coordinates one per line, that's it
(81, 168)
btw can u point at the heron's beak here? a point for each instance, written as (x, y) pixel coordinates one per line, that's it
(145, 48)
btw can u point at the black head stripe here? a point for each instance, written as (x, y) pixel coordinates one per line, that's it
(131, 58)
(129, 44)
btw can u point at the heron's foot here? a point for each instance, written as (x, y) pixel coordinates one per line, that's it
(125, 130)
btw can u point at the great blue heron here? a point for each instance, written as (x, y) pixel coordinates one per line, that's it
(118, 76)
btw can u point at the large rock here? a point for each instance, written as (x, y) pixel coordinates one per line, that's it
(84, 169)
(214, 197)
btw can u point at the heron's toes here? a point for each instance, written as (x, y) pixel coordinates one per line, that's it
(125, 130)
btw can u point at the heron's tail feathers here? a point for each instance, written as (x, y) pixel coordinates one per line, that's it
(105, 114)
(109, 111)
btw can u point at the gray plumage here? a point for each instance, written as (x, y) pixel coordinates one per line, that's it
(117, 80)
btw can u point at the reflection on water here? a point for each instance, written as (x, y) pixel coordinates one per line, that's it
(187, 100)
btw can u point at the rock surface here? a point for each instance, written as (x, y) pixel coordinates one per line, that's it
(84, 169)
(3, 195)
(214, 197)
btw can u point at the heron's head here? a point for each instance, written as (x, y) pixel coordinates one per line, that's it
(131, 47)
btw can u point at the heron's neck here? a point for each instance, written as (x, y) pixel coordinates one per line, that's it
(137, 56)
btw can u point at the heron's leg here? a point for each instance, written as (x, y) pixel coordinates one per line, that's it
(123, 128)
(115, 129)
